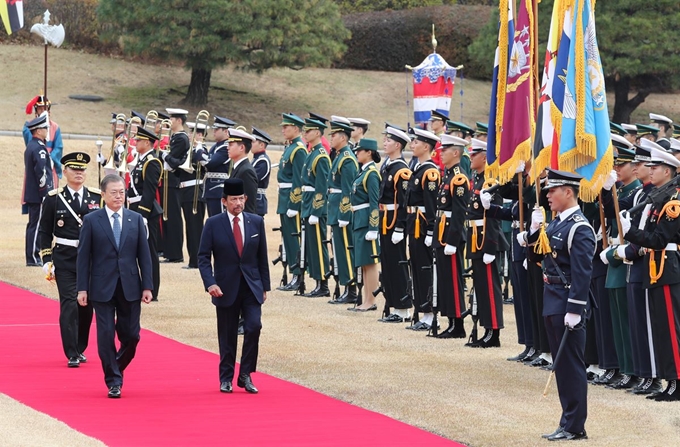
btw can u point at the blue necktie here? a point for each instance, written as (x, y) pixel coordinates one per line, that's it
(116, 229)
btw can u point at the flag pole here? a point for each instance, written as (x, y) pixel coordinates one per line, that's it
(45, 72)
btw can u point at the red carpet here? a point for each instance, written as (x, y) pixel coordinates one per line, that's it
(171, 393)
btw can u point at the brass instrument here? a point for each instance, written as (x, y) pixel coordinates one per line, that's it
(166, 130)
(122, 166)
(111, 162)
(202, 118)
(150, 121)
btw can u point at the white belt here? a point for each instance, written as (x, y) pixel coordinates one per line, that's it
(413, 209)
(387, 206)
(69, 242)
(218, 175)
(335, 191)
(285, 185)
(672, 247)
(444, 213)
(477, 223)
(190, 183)
(262, 190)
(360, 207)
(515, 224)
(134, 199)
(308, 189)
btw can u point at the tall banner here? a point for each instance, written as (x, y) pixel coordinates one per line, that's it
(433, 82)
(585, 142)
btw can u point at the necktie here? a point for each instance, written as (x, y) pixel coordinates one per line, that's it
(237, 236)
(116, 229)
(76, 198)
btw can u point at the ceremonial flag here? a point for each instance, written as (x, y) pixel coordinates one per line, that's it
(514, 144)
(433, 83)
(559, 86)
(585, 143)
(12, 14)
(506, 31)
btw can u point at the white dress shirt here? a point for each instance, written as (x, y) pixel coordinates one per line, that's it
(564, 215)
(110, 212)
(80, 194)
(240, 225)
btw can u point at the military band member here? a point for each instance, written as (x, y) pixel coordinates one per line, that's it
(452, 201)
(38, 180)
(565, 302)
(395, 177)
(288, 207)
(314, 209)
(180, 148)
(421, 200)
(365, 221)
(119, 142)
(340, 185)
(659, 233)
(215, 162)
(240, 143)
(61, 218)
(360, 130)
(263, 168)
(484, 241)
(145, 178)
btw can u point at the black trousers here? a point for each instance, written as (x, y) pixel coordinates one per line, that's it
(604, 332)
(487, 282)
(214, 206)
(173, 241)
(570, 372)
(117, 316)
(394, 272)
(421, 256)
(640, 331)
(520, 291)
(535, 277)
(74, 319)
(194, 226)
(227, 333)
(450, 284)
(154, 237)
(32, 249)
(664, 311)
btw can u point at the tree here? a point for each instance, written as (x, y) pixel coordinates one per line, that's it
(637, 42)
(354, 6)
(207, 34)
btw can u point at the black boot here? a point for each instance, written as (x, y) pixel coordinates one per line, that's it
(491, 340)
(292, 285)
(477, 343)
(321, 289)
(458, 328)
(521, 355)
(351, 296)
(341, 299)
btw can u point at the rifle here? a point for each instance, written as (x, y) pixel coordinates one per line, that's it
(378, 291)
(282, 259)
(657, 193)
(410, 293)
(300, 258)
(475, 317)
(432, 292)
(334, 272)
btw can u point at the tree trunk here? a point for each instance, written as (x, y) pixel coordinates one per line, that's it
(623, 107)
(197, 95)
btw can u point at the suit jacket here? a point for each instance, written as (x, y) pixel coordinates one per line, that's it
(217, 241)
(245, 171)
(100, 263)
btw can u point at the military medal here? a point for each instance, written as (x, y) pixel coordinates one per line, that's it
(416, 182)
(60, 223)
(476, 205)
(443, 199)
(389, 179)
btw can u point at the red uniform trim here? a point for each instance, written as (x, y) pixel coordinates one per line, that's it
(671, 327)
(456, 291)
(492, 298)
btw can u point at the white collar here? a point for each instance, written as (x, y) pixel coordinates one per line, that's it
(564, 215)
(231, 217)
(364, 167)
(236, 163)
(110, 212)
(73, 191)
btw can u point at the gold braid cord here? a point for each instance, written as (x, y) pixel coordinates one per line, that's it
(672, 209)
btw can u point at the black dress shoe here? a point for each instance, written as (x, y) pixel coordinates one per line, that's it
(73, 362)
(419, 327)
(610, 376)
(349, 299)
(539, 362)
(244, 381)
(320, 290)
(114, 392)
(33, 264)
(670, 394)
(648, 387)
(521, 355)
(530, 358)
(625, 383)
(568, 436)
(559, 429)
(293, 285)
(392, 318)
(457, 331)
(82, 358)
(225, 387)
(189, 267)
(368, 309)
(172, 261)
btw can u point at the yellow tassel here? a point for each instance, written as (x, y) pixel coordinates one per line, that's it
(653, 275)
(474, 238)
(416, 231)
(384, 223)
(543, 244)
(442, 225)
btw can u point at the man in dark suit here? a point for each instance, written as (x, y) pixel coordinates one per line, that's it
(240, 143)
(112, 252)
(238, 283)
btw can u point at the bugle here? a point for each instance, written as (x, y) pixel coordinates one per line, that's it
(122, 166)
(166, 130)
(120, 123)
(202, 118)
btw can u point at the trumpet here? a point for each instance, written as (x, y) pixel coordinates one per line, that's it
(122, 166)
(166, 130)
(111, 162)
(202, 118)
(150, 120)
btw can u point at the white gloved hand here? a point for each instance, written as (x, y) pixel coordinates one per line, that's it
(525, 264)
(313, 220)
(428, 241)
(571, 320)
(163, 155)
(119, 149)
(610, 180)
(536, 219)
(485, 198)
(520, 167)
(371, 236)
(167, 167)
(603, 256)
(397, 236)
(625, 222)
(450, 250)
(488, 259)
(343, 223)
(621, 251)
(522, 238)
(291, 213)
(101, 159)
(48, 268)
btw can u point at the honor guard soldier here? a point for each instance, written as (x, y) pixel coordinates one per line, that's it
(421, 200)
(631, 132)
(145, 178)
(240, 143)
(360, 129)
(324, 141)
(61, 218)
(288, 207)
(365, 222)
(438, 127)
(216, 165)
(648, 132)
(340, 185)
(180, 148)
(663, 123)
(38, 180)
(465, 132)
(484, 241)
(263, 167)
(452, 202)
(482, 131)
(53, 142)
(314, 209)
(659, 233)
(393, 262)
(567, 262)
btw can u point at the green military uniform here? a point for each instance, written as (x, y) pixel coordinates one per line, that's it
(366, 192)
(464, 130)
(314, 194)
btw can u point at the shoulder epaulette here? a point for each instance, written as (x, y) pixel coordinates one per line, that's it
(459, 179)
(368, 173)
(95, 190)
(147, 164)
(432, 175)
(56, 191)
(403, 173)
(344, 158)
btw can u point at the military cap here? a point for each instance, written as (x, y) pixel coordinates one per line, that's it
(454, 126)
(398, 135)
(617, 129)
(38, 123)
(223, 123)
(38, 101)
(261, 135)
(113, 118)
(394, 126)
(451, 141)
(660, 119)
(676, 130)
(562, 178)
(317, 117)
(291, 119)
(624, 155)
(369, 144)
(425, 136)
(482, 128)
(477, 146)
(339, 126)
(340, 119)
(141, 117)
(658, 155)
(145, 134)
(642, 154)
(619, 142)
(644, 129)
(675, 145)
(75, 160)
(200, 127)
(239, 135)
(630, 129)
(436, 115)
(359, 122)
(177, 113)
(233, 187)
(163, 116)
(311, 124)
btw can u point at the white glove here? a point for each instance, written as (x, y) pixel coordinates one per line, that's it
(571, 320)
(101, 159)
(520, 167)
(397, 236)
(163, 154)
(167, 167)
(621, 251)
(522, 238)
(291, 213)
(603, 256)
(488, 259)
(485, 198)
(428, 241)
(343, 223)
(48, 268)
(625, 222)
(450, 250)
(536, 219)
(525, 264)
(119, 149)
(313, 220)
(610, 180)
(371, 236)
